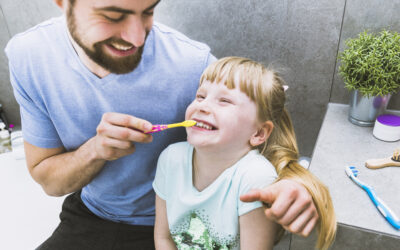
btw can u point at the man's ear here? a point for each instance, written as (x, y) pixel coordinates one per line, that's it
(60, 3)
(262, 134)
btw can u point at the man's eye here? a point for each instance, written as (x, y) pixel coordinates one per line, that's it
(148, 13)
(114, 19)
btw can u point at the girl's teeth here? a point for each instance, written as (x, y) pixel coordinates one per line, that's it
(202, 125)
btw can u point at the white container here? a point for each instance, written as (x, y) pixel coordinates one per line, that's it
(387, 128)
(17, 143)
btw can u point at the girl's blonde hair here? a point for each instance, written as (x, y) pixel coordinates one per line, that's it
(265, 87)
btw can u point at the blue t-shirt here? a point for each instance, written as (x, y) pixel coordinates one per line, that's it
(62, 103)
(198, 219)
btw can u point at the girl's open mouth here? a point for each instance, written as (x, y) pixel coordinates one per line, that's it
(205, 125)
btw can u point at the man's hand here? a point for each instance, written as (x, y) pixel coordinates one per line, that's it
(117, 133)
(289, 204)
(60, 172)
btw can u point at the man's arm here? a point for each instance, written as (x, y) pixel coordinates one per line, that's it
(290, 205)
(60, 172)
(299, 201)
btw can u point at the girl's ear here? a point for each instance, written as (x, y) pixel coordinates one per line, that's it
(262, 134)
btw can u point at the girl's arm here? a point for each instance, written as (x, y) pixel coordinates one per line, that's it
(162, 236)
(256, 231)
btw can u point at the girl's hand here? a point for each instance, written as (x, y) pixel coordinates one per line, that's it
(289, 204)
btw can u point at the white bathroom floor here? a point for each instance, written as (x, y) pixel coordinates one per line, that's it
(27, 215)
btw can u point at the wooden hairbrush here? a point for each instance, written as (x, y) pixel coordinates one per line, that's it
(393, 161)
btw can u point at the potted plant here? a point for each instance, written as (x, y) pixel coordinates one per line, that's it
(370, 68)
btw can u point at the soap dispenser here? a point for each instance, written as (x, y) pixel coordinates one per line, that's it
(5, 139)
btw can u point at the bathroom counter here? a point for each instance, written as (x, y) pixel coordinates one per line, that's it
(339, 144)
(28, 216)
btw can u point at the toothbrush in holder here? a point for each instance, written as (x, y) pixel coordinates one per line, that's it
(389, 215)
(161, 127)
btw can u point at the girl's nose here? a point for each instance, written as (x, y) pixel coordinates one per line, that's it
(205, 106)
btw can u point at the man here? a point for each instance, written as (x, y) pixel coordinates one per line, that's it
(88, 85)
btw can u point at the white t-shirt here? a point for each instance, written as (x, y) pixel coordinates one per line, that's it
(203, 220)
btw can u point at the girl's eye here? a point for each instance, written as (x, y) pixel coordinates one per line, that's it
(225, 100)
(199, 97)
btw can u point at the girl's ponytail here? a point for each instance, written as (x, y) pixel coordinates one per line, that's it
(281, 150)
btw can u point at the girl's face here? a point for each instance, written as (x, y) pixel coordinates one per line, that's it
(226, 118)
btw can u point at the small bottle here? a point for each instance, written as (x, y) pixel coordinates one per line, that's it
(5, 140)
(3, 116)
(17, 144)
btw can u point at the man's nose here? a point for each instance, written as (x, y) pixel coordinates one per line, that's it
(134, 31)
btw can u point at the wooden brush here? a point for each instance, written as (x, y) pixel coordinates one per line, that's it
(393, 161)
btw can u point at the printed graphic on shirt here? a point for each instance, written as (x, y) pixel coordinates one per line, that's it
(198, 237)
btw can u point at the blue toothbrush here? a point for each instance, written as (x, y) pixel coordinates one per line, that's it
(352, 172)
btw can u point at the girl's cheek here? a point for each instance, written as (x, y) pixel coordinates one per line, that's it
(189, 110)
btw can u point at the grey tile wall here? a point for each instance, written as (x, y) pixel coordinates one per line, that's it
(17, 16)
(300, 38)
(6, 98)
(23, 14)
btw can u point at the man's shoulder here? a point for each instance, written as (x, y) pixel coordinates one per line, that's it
(177, 53)
(34, 39)
(170, 35)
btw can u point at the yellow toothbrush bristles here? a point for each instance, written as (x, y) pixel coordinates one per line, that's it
(187, 123)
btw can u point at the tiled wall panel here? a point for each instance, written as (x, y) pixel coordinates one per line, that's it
(299, 37)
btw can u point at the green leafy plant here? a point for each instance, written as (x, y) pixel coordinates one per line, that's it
(371, 63)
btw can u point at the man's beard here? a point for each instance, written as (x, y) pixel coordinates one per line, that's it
(121, 65)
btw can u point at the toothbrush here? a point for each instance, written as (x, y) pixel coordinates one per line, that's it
(389, 215)
(385, 162)
(161, 127)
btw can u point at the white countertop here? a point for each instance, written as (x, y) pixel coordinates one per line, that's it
(339, 144)
(27, 215)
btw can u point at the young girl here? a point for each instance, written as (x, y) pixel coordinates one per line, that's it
(242, 139)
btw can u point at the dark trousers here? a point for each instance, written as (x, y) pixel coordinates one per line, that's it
(80, 229)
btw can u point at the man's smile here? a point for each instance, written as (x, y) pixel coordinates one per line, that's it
(121, 50)
(120, 46)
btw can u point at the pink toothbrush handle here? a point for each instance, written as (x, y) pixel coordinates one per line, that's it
(157, 128)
